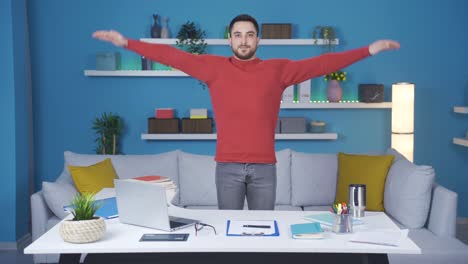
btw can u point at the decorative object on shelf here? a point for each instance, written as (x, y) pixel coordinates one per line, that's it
(292, 124)
(156, 28)
(328, 34)
(165, 33)
(108, 61)
(191, 38)
(334, 90)
(163, 125)
(277, 31)
(226, 32)
(317, 126)
(304, 91)
(109, 128)
(403, 118)
(195, 126)
(146, 64)
(162, 113)
(198, 113)
(84, 227)
(371, 93)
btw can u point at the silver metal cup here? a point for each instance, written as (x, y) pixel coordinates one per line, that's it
(357, 200)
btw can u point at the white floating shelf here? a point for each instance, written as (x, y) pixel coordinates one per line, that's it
(137, 73)
(335, 105)
(461, 109)
(460, 141)
(319, 42)
(302, 136)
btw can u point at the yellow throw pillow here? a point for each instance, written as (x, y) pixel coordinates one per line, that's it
(363, 169)
(92, 179)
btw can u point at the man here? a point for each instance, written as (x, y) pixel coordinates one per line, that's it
(245, 93)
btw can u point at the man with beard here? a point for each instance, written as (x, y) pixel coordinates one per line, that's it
(246, 93)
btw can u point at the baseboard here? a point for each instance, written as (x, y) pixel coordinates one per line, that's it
(462, 220)
(19, 244)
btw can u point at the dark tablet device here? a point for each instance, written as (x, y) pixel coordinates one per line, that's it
(164, 237)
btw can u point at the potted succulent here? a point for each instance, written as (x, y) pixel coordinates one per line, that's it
(85, 227)
(109, 129)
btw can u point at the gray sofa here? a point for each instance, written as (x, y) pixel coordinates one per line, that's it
(306, 181)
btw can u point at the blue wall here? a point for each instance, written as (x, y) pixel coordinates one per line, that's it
(15, 115)
(433, 39)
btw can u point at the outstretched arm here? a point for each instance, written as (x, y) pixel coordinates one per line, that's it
(301, 70)
(201, 67)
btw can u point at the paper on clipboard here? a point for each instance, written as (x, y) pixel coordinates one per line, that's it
(252, 228)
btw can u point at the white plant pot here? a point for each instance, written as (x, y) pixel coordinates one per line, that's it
(84, 231)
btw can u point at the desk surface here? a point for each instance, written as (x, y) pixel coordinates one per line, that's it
(122, 238)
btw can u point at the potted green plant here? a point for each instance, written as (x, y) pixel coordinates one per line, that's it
(191, 38)
(109, 128)
(328, 34)
(85, 227)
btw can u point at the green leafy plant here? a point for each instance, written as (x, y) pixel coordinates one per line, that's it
(109, 128)
(338, 75)
(191, 38)
(328, 34)
(84, 207)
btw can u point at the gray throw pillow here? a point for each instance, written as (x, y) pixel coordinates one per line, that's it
(57, 195)
(283, 177)
(408, 188)
(313, 178)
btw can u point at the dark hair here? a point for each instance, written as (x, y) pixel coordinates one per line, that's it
(243, 17)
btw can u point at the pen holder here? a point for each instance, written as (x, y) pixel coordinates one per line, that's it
(343, 224)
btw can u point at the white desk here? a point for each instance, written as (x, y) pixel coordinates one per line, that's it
(121, 238)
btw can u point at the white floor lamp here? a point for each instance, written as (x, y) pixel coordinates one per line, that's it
(403, 118)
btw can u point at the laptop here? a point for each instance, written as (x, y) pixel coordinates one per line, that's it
(144, 204)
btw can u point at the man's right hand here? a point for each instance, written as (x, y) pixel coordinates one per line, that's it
(111, 36)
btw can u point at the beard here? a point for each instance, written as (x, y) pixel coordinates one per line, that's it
(245, 55)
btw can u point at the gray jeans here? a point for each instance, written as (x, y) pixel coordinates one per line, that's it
(257, 181)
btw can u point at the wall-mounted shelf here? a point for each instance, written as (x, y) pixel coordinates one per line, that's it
(461, 109)
(304, 136)
(460, 141)
(136, 73)
(302, 42)
(335, 105)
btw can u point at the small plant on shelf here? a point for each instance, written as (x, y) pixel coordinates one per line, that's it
(191, 38)
(328, 34)
(338, 75)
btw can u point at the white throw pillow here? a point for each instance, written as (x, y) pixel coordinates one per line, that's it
(57, 195)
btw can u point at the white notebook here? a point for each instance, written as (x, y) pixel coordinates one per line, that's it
(380, 237)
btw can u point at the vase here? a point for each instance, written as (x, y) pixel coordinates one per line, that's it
(165, 30)
(334, 91)
(156, 28)
(85, 231)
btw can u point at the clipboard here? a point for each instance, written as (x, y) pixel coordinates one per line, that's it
(233, 228)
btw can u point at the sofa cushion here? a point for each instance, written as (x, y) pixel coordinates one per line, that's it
(93, 178)
(434, 249)
(363, 169)
(313, 178)
(197, 180)
(129, 166)
(408, 190)
(283, 177)
(57, 195)
(317, 208)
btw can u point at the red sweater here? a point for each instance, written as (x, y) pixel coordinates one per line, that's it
(246, 95)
